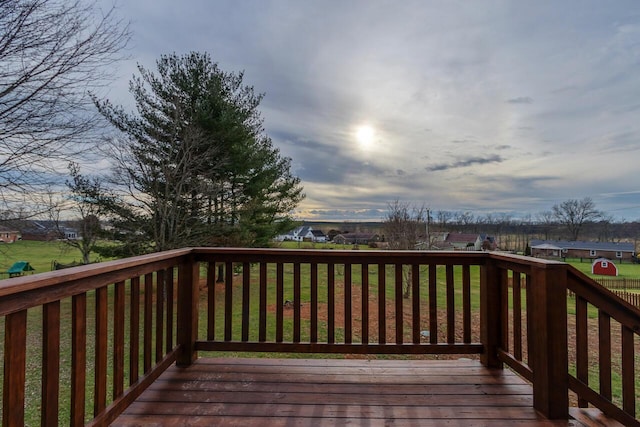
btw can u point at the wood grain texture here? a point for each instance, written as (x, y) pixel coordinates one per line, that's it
(297, 392)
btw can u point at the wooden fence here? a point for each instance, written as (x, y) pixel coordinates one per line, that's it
(630, 297)
(616, 284)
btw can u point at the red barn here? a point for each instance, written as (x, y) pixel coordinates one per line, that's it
(604, 267)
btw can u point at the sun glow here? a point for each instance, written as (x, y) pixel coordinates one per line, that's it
(365, 136)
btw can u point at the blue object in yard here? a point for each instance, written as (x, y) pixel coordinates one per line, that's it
(19, 268)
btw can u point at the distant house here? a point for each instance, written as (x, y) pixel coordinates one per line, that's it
(49, 230)
(604, 267)
(464, 242)
(319, 236)
(8, 235)
(621, 251)
(356, 238)
(303, 234)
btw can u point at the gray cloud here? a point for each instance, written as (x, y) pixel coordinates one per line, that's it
(465, 163)
(521, 100)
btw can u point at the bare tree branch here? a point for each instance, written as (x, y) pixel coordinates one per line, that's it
(53, 53)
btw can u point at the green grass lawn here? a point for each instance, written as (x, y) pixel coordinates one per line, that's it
(39, 254)
(312, 245)
(626, 270)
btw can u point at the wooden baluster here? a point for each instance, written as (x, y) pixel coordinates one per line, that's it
(169, 280)
(504, 308)
(628, 372)
(529, 318)
(399, 295)
(279, 301)
(604, 353)
(100, 369)
(348, 311)
(364, 289)
(297, 295)
(262, 317)
(582, 346)
(433, 304)
(451, 306)
(148, 321)
(517, 317)
(466, 304)
(134, 330)
(118, 340)
(160, 296)
(415, 309)
(228, 301)
(211, 301)
(78, 358)
(382, 302)
(314, 303)
(331, 302)
(50, 361)
(246, 284)
(15, 356)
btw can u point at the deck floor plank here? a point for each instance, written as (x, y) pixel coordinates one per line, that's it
(292, 392)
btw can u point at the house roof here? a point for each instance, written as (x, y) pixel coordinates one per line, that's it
(304, 230)
(360, 236)
(549, 246)
(462, 238)
(601, 246)
(317, 233)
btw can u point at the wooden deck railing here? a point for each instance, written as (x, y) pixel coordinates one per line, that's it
(605, 327)
(114, 320)
(124, 322)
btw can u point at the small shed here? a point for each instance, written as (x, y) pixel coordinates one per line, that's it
(20, 268)
(604, 267)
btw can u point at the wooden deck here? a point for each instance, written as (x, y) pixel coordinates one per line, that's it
(313, 392)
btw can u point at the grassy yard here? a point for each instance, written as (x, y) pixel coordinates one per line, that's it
(626, 270)
(39, 254)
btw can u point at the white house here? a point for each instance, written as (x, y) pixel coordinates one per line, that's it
(303, 234)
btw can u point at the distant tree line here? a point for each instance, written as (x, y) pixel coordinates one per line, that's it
(572, 219)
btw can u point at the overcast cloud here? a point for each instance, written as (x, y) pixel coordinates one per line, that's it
(488, 106)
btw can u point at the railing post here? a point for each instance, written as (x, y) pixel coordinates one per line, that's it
(187, 322)
(549, 355)
(490, 316)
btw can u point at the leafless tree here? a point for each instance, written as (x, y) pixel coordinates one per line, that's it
(573, 214)
(83, 207)
(443, 218)
(404, 228)
(53, 53)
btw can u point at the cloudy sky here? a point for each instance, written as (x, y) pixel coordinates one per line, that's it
(488, 106)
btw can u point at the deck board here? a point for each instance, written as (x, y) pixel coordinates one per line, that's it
(309, 392)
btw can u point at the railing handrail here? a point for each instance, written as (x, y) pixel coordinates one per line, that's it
(596, 294)
(41, 280)
(15, 292)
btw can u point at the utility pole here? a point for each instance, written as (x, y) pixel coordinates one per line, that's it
(427, 229)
